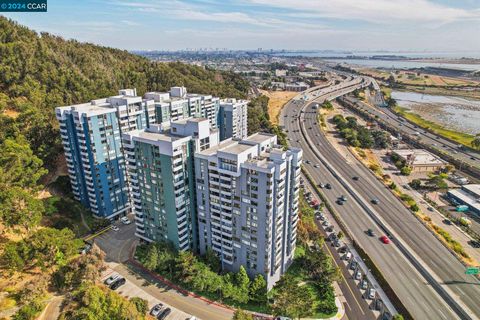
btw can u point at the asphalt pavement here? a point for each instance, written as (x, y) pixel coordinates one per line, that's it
(414, 291)
(443, 264)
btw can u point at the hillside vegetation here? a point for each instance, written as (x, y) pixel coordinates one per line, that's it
(39, 72)
(38, 235)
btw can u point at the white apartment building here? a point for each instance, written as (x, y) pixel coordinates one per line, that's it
(232, 119)
(247, 204)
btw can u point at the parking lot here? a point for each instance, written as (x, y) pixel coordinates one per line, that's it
(117, 245)
(130, 290)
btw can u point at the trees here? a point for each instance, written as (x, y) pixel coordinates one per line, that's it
(19, 209)
(416, 184)
(240, 314)
(92, 302)
(476, 142)
(291, 299)
(406, 170)
(243, 285)
(151, 261)
(258, 289)
(140, 304)
(19, 167)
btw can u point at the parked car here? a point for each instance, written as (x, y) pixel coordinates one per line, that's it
(164, 314)
(353, 265)
(118, 283)
(115, 228)
(358, 275)
(446, 221)
(347, 256)
(371, 293)
(125, 220)
(343, 249)
(111, 279)
(321, 185)
(385, 239)
(364, 284)
(86, 249)
(156, 309)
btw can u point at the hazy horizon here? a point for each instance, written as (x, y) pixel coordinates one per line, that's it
(353, 25)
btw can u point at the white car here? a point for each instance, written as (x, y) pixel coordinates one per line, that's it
(371, 293)
(156, 309)
(125, 220)
(112, 279)
(115, 228)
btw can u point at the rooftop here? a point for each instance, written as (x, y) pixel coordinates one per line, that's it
(419, 157)
(473, 188)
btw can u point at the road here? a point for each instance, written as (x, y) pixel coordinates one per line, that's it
(412, 288)
(469, 157)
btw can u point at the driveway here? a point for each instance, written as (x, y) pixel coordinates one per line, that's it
(131, 289)
(118, 245)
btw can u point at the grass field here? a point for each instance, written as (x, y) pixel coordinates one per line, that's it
(276, 102)
(459, 137)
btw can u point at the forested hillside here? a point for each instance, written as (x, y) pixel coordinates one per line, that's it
(39, 72)
(39, 233)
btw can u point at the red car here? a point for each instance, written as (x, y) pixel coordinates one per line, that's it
(385, 239)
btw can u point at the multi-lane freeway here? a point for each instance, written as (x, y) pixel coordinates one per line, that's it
(413, 244)
(404, 127)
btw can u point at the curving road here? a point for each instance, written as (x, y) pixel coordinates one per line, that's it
(412, 288)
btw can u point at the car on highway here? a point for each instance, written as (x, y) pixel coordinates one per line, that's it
(340, 202)
(371, 233)
(111, 279)
(118, 283)
(447, 221)
(328, 186)
(355, 178)
(115, 228)
(358, 275)
(156, 309)
(474, 243)
(353, 265)
(385, 239)
(164, 314)
(364, 284)
(343, 198)
(371, 293)
(307, 161)
(316, 166)
(375, 201)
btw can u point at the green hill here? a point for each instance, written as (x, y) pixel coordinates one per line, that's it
(39, 72)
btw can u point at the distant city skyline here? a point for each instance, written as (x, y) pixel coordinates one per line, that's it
(375, 25)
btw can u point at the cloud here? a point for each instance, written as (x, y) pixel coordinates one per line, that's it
(376, 11)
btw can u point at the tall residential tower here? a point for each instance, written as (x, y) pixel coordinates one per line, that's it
(247, 204)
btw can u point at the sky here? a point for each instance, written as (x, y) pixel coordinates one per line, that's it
(393, 25)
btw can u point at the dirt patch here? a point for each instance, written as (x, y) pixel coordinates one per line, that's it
(277, 100)
(11, 113)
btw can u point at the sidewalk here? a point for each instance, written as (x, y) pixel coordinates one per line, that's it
(437, 218)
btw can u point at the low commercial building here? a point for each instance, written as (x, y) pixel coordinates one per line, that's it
(468, 195)
(420, 160)
(297, 87)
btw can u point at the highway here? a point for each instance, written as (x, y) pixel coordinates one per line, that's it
(404, 127)
(412, 288)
